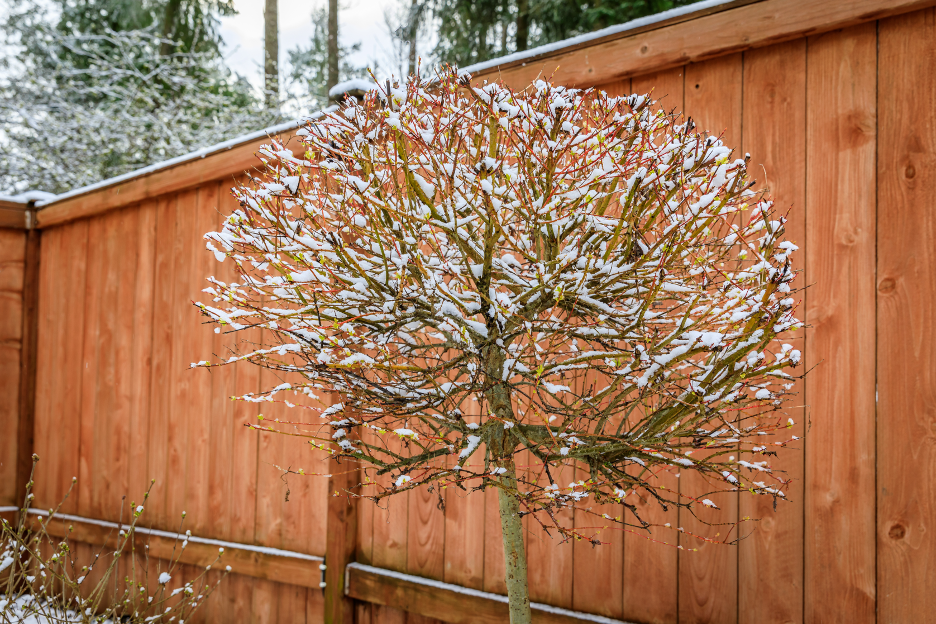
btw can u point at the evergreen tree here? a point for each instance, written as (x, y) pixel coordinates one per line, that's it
(81, 101)
(309, 73)
(470, 31)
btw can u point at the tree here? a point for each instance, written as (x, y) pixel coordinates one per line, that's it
(271, 53)
(596, 276)
(77, 107)
(310, 65)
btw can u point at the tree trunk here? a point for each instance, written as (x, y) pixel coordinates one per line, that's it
(332, 44)
(168, 27)
(413, 28)
(271, 53)
(523, 24)
(515, 561)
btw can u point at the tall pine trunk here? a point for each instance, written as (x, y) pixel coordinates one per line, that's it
(413, 28)
(168, 26)
(271, 53)
(332, 44)
(523, 24)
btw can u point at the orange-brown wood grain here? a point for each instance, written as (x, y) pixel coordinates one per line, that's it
(163, 335)
(770, 560)
(722, 31)
(426, 538)
(840, 259)
(906, 283)
(62, 277)
(708, 572)
(650, 568)
(12, 271)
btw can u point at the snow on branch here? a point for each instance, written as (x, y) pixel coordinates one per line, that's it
(478, 272)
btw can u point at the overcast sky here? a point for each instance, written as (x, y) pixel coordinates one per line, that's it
(360, 21)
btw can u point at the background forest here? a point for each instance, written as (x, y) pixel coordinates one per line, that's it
(110, 86)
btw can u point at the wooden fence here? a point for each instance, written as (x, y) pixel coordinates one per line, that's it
(837, 101)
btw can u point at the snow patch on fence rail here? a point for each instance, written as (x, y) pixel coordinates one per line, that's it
(264, 550)
(184, 158)
(474, 593)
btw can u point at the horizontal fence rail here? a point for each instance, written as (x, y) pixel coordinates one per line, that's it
(248, 559)
(446, 601)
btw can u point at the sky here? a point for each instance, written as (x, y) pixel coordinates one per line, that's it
(359, 21)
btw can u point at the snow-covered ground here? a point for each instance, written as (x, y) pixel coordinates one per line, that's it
(23, 610)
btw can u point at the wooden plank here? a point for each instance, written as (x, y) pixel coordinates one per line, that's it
(425, 542)
(341, 529)
(840, 445)
(742, 28)
(708, 572)
(390, 525)
(138, 331)
(26, 427)
(220, 166)
(550, 570)
(906, 286)
(301, 571)
(650, 569)
(465, 537)
(161, 369)
(13, 216)
(62, 277)
(196, 341)
(16, 283)
(442, 601)
(186, 390)
(598, 570)
(770, 561)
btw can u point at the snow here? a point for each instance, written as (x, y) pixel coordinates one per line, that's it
(184, 158)
(28, 196)
(355, 84)
(164, 578)
(181, 536)
(21, 612)
(474, 593)
(598, 34)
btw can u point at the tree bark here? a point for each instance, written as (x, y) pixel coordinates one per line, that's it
(515, 561)
(413, 28)
(168, 27)
(271, 53)
(332, 44)
(523, 24)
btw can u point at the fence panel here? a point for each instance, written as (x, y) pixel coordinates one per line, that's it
(906, 286)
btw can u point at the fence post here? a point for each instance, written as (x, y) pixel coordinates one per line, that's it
(341, 541)
(26, 418)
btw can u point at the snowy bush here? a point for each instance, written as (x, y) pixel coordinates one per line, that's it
(43, 581)
(594, 278)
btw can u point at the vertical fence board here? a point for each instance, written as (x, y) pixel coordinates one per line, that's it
(162, 342)
(840, 189)
(197, 342)
(906, 286)
(770, 566)
(708, 572)
(58, 394)
(426, 538)
(12, 270)
(142, 316)
(94, 456)
(650, 569)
